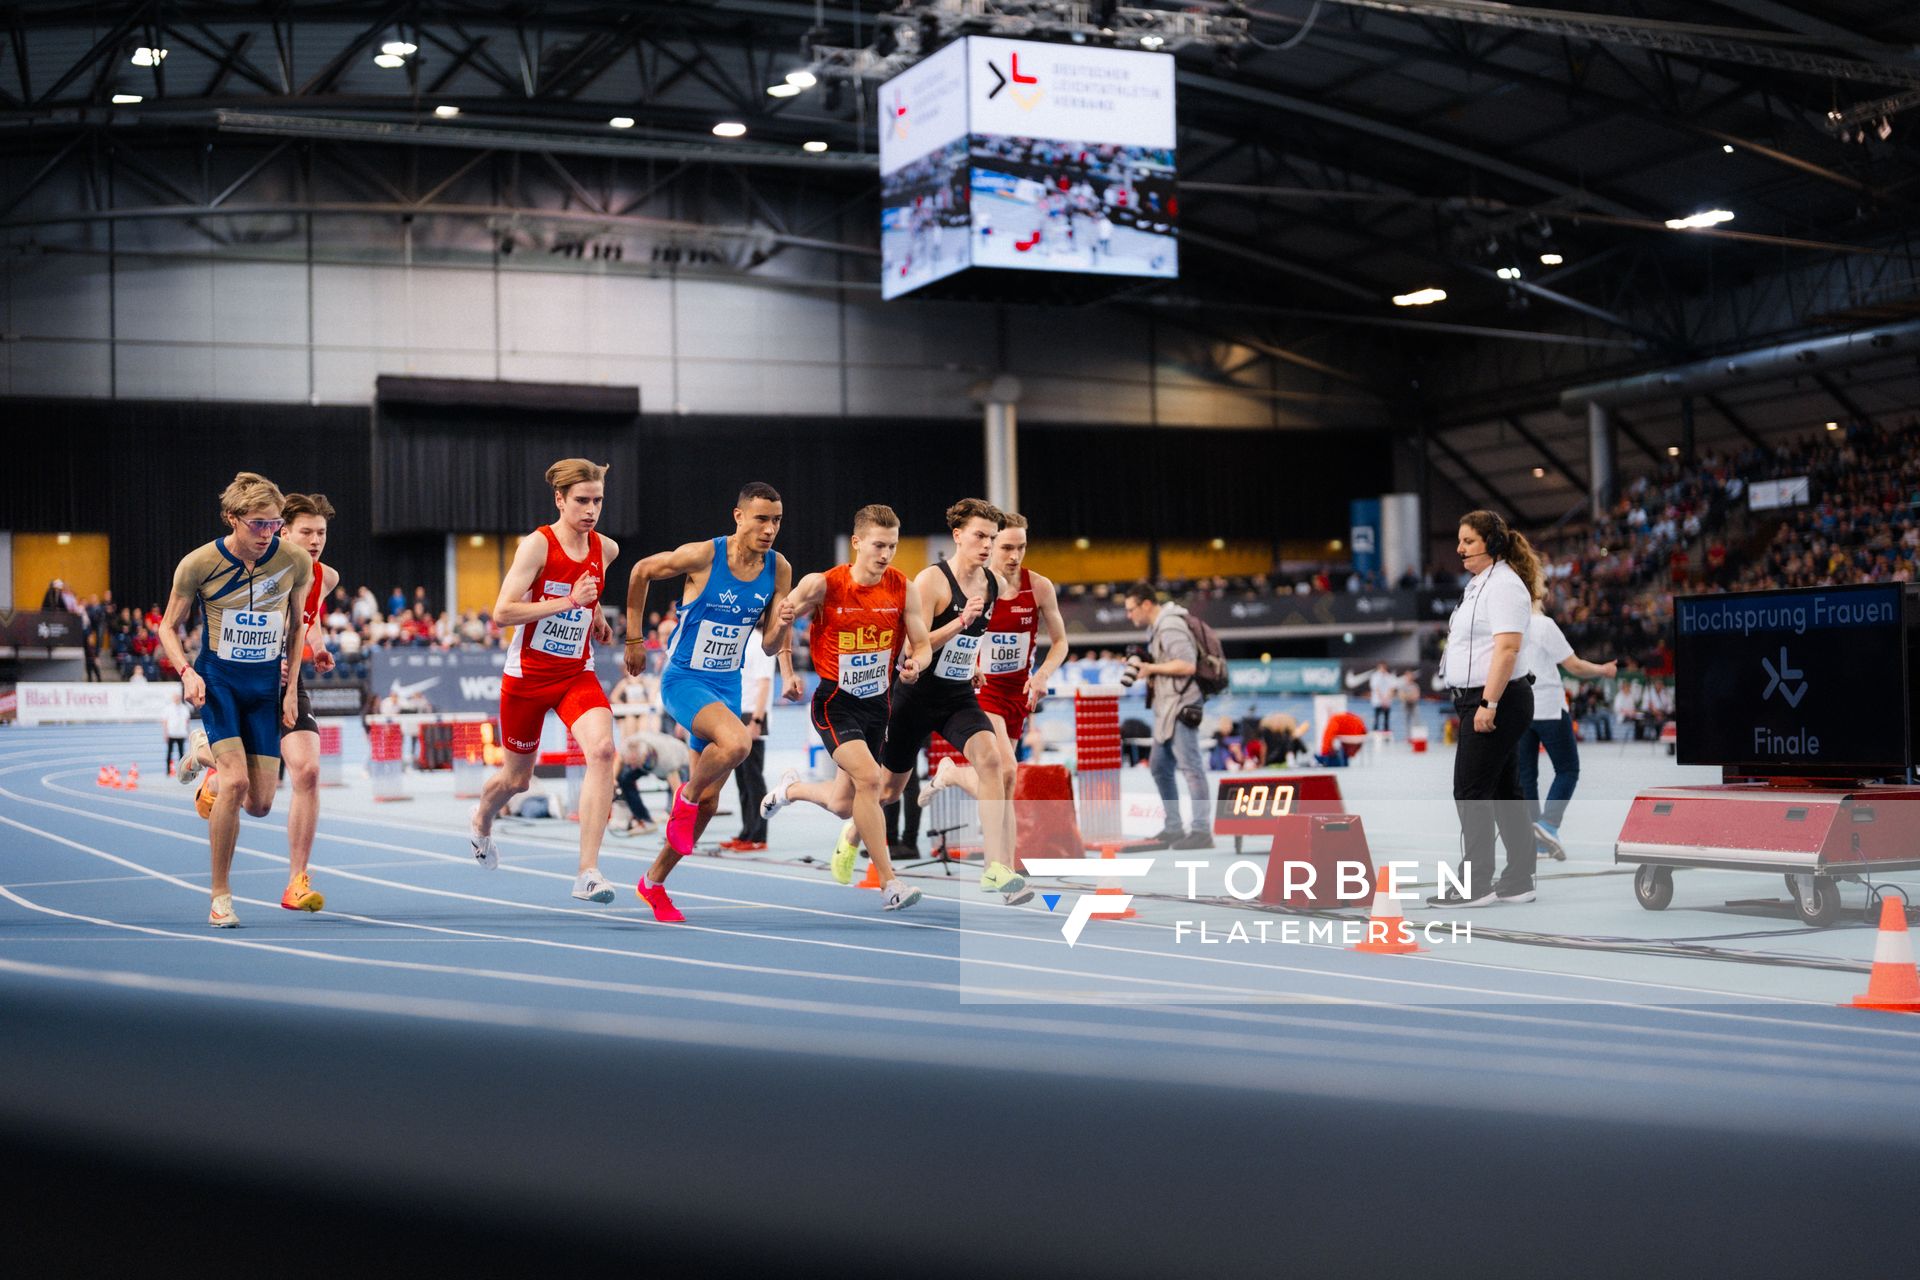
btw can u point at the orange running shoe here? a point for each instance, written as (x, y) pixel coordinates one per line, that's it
(301, 895)
(203, 798)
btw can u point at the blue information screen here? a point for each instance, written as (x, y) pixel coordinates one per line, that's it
(1810, 680)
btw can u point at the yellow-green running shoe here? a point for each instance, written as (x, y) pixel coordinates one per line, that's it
(845, 853)
(1002, 879)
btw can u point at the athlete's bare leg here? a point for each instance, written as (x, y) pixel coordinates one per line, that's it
(301, 751)
(728, 743)
(967, 778)
(508, 781)
(594, 732)
(858, 791)
(982, 751)
(223, 824)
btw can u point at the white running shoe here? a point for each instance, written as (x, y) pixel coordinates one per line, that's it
(899, 897)
(941, 780)
(190, 767)
(484, 851)
(776, 800)
(221, 916)
(591, 886)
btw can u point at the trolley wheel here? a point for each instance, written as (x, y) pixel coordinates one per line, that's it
(1820, 904)
(1653, 887)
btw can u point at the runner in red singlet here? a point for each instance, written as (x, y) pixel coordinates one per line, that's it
(867, 613)
(551, 598)
(307, 516)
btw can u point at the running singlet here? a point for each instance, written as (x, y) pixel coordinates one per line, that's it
(1007, 658)
(310, 611)
(858, 633)
(558, 647)
(246, 608)
(715, 625)
(955, 660)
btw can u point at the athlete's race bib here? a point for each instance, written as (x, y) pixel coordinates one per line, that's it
(562, 635)
(957, 658)
(247, 636)
(865, 675)
(1007, 652)
(719, 646)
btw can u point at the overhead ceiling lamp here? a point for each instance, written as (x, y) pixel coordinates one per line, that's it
(815, 146)
(126, 99)
(729, 129)
(1673, 451)
(1539, 473)
(1727, 147)
(390, 61)
(1551, 259)
(620, 122)
(1152, 42)
(446, 112)
(802, 79)
(1508, 273)
(1218, 544)
(1833, 426)
(1705, 218)
(783, 90)
(399, 49)
(149, 57)
(1420, 297)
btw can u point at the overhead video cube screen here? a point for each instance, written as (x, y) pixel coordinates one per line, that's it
(1020, 155)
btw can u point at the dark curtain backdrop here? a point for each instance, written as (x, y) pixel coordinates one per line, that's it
(1189, 482)
(439, 468)
(149, 475)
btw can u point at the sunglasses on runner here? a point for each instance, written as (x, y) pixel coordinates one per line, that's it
(265, 526)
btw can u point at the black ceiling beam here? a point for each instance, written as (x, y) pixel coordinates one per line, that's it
(104, 47)
(1628, 430)
(1546, 451)
(1845, 401)
(1734, 420)
(1493, 496)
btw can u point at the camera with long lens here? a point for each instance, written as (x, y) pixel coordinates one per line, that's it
(1131, 671)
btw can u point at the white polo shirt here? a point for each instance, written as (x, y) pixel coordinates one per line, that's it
(759, 665)
(1496, 602)
(1541, 654)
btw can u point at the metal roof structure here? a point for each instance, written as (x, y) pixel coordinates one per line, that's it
(1527, 159)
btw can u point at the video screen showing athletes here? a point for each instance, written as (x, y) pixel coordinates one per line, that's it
(1068, 206)
(923, 220)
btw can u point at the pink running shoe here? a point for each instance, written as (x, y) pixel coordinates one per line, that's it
(680, 822)
(664, 912)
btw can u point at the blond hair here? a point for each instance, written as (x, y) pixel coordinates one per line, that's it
(568, 472)
(249, 492)
(874, 514)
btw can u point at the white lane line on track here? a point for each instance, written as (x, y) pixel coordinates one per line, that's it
(1586, 1028)
(1560, 1060)
(1046, 939)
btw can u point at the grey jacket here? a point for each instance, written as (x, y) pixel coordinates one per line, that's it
(1171, 641)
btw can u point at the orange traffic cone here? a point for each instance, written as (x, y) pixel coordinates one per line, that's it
(113, 776)
(873, 877)
(1387, 934)
(101, 780)
(133, 777)
(1111, 890)
(1894, 984)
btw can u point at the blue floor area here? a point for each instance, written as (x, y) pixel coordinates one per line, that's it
(789, 1008)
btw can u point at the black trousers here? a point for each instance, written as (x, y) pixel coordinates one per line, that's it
(1486, 791)
(751, 780)
(629, 784)
(905, 811)
(1383, 717)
